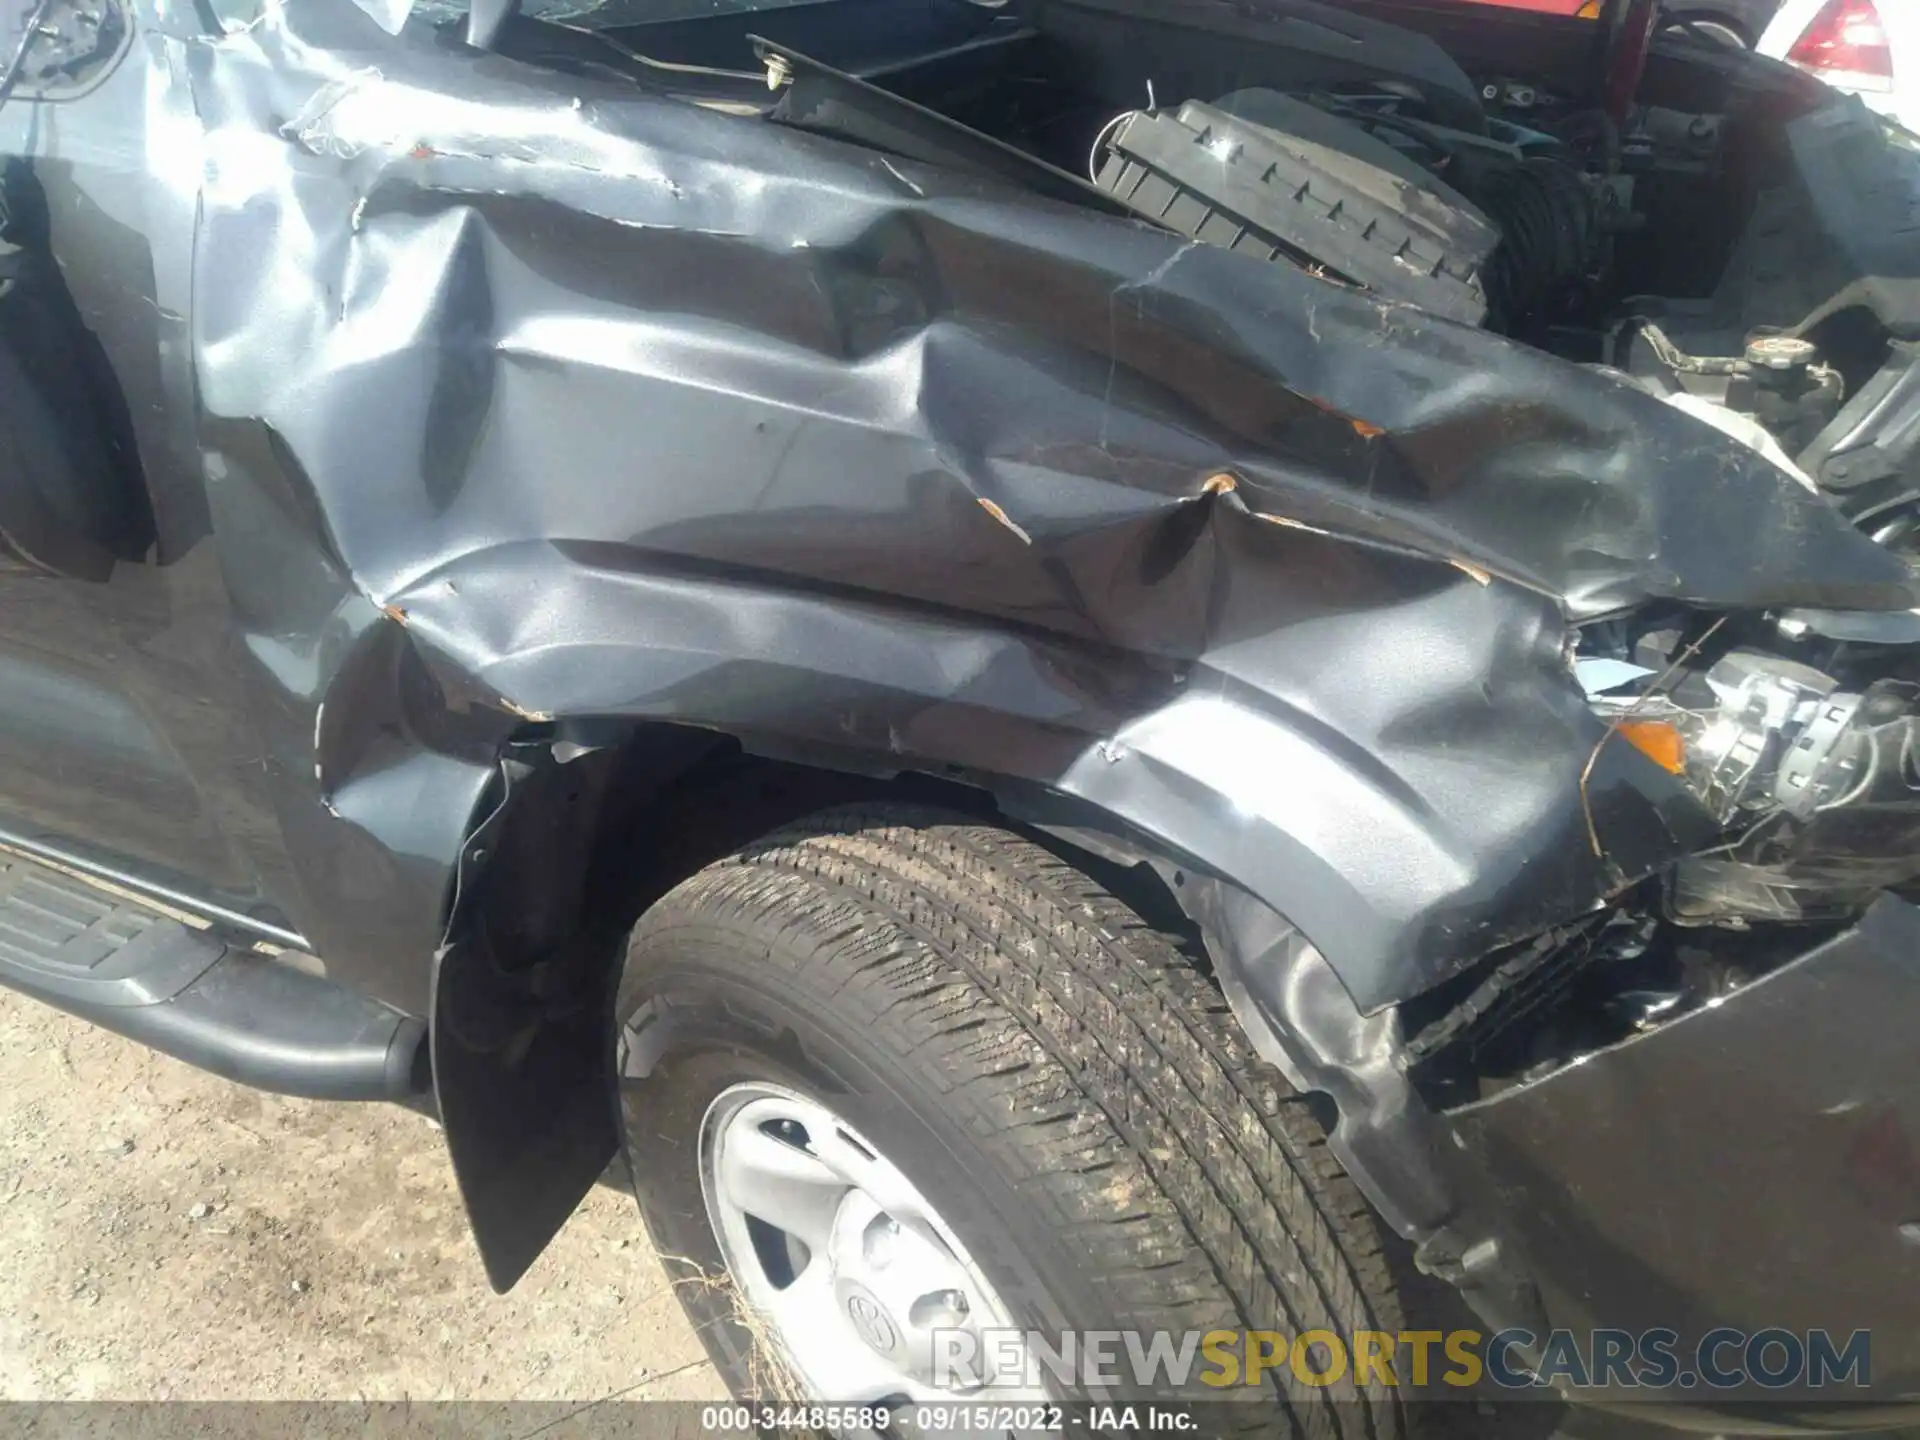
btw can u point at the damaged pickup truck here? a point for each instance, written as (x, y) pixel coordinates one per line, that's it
(1050, 665)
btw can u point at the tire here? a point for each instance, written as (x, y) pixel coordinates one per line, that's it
(1724, 32)
(1022, 1045)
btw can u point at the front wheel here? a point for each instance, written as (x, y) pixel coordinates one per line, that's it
(912, 1107)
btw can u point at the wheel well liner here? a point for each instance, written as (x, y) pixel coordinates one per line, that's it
(589, 823)
(585, 827)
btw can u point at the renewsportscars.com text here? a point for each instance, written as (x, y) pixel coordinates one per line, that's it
(1774, 1359)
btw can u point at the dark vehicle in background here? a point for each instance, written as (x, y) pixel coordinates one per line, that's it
(1050, 665)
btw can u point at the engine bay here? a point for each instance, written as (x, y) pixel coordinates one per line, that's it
(1707, 239)
(1490, 202)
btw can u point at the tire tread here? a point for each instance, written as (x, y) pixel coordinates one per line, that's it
(1127, 1104)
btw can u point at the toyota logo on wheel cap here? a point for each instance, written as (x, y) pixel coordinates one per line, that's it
(872, 1323)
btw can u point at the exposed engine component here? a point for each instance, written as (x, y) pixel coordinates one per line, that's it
(1356, 190)
(1745, 267)
(1816, 784)
(75, 46)
(1868, 459)
(1780, 381)
(1763, 735)
(1356, 207)
(1553, 226)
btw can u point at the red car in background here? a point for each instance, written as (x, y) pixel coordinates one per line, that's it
(1866, 49)
(1584, 9)
(1735, 22)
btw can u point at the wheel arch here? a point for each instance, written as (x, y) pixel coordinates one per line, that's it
(587, 823)
(657, 723)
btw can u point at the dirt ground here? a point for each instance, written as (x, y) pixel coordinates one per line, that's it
(168, 1235)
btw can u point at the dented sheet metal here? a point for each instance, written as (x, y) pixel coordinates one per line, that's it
(562, 398)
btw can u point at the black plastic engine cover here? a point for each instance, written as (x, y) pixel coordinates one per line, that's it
(1864, 194)
(1307, 187)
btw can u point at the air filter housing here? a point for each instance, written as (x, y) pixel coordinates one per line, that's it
(1262, 173)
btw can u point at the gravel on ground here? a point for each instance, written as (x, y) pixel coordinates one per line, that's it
(171, 1236)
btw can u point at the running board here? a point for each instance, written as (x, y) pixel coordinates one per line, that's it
(155, 979)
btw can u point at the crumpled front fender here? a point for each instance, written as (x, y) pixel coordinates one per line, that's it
(616, 405)
(582, 400)
(1357, 809)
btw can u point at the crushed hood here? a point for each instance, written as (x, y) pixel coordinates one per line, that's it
(910, 336)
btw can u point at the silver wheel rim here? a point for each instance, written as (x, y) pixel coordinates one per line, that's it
(849, 1269)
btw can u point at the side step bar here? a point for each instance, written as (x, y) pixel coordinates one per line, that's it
(184, 992)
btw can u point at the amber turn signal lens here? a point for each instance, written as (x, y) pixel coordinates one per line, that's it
(1659, 741)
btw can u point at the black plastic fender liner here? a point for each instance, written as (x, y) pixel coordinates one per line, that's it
(1302, 1021)
(520, 1059)
(522, 1028)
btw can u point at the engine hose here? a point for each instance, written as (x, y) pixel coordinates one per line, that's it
(10, 76)
(1548, 228)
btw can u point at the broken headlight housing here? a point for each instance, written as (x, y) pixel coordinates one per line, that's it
(1816, 786)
